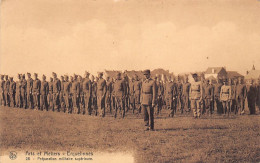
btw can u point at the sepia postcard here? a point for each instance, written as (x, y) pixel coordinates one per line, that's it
(132, 81)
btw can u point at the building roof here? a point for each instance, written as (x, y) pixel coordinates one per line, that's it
(233, 74)
(216, 70)
(253, 74)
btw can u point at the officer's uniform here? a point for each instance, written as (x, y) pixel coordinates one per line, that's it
(109, 96)
(23, 92)
(94, 97)
(179, 96)
(62, 101)
(18, 92)
(148, 99)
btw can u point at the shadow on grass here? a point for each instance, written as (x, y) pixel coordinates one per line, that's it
(194, 128)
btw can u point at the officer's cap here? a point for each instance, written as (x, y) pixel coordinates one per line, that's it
(194, 75)
(146, 72)
(87, 73)
(43, 76)
(29, 74)
(61, 77)
(35, 74)
(100, 73)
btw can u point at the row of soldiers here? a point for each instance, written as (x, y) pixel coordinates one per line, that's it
(91, 95)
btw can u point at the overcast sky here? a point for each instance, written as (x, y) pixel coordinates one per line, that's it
(71, 36)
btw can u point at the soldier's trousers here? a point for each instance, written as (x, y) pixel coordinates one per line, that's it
(226, 107)
(2, 100)
(148, 112)
(68, 105)
(87, 103)
(119, 105)
(101, 105)
(186, 103)
(179, 104)
(208, 106)
(109, 103)
(23, 99)
(171, 105)
(12, 100)
(50, 102)
(241, 105)
(159, 105)
(75, 100)
(56, 102)
(44, 102)
(36, 100)
(7, 99)
(29, 101)
(218, 105)
(137, 103)
(18, 100)
(62, 102)
(196, 107)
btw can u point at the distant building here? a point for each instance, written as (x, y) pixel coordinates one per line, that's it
(253, 74)
(216, 72)
(234, 75)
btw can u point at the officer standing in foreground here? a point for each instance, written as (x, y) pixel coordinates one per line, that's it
(148, 99)
(196, 95)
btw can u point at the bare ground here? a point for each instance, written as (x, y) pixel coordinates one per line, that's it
(178, 139)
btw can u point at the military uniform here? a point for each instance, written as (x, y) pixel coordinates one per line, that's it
(137, 94)
(101, 94)
(131, 95)
(119, 92)
(160, 95)
(208, 98)
(225, 97)
(148, 100)
(196, 95)
(171, 95)
(50, 95)
(251, 97)
(185, 96)
(62, 101)
(67, 95)
(23, 92)
(12, 90)
(29, 91)
(94, 97)
(109, 96)
(2, 88)
(75, 89)
(179, 96)
(240, 97)
(44, 95)
(87, 92)
(18, 93)
(36, 93)
(217, 102)
(6, 92)
(56, 93)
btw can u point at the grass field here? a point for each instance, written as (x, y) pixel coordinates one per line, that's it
(178, 139)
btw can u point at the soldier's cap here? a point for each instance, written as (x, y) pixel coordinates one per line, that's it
(146, 72)
(100, 73)
(75, 75)
(194, 75)
(35, 74)
(43, 76)
(79, 76)
(53, 73)
(87, 73)
(66, 76)
(61, 76)
(28, 73)
(23, 75)
(11, 77)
